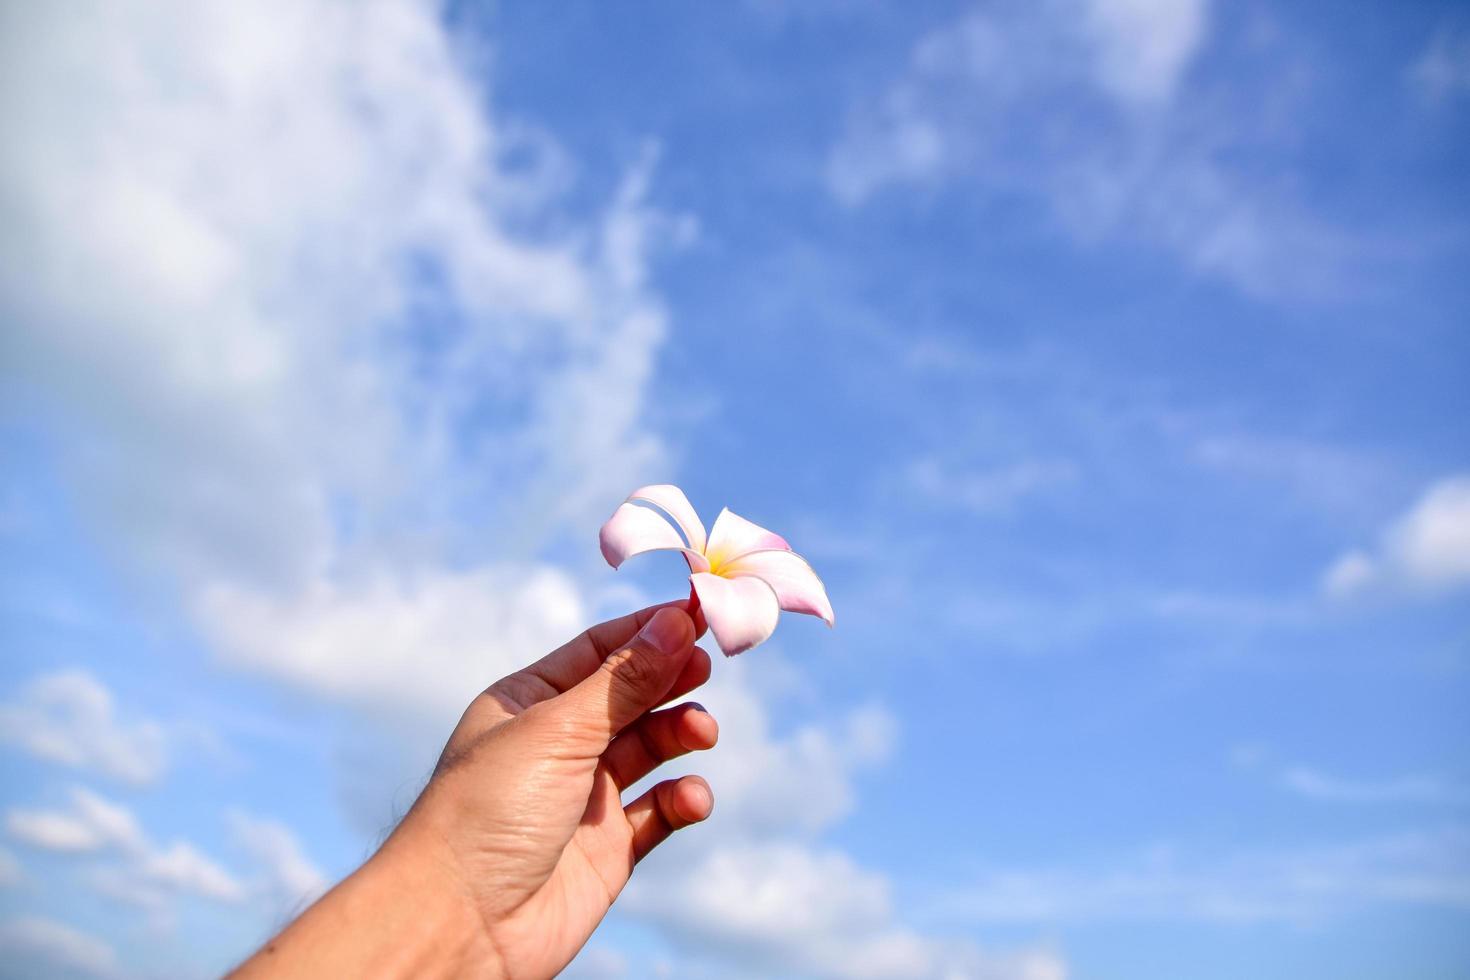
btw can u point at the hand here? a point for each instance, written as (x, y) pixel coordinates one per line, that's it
(520, 842)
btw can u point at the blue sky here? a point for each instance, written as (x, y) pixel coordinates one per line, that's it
(1107, 357)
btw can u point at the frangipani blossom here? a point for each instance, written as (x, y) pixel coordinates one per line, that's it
(742, 574)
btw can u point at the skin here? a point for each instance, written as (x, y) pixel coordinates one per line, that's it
(520, 842)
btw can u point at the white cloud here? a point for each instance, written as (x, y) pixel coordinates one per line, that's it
(51, 948)
(799, 911)
(1431, 544)
(783, 782)
(751, 892)
(69, 717)
(286, 875)
(1318, 785)
(991, 491)
(95, 825)
(966, 76)
(181, 867)
(1143, 46)
(1443, 70)
(1303, 885)
(1425, 550)
(1350, 573)
(52, 831)
(1127, 151)
(11, 873)
(870, 735)
(339, 342)
(782, 896)
(1315, 784)
(426, 643)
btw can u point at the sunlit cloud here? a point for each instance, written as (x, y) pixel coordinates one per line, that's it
(270, 436)
(788, 907)
(1424, 550)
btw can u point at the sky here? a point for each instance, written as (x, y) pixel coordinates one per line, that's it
(1110, 360)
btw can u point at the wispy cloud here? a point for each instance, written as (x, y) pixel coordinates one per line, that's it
(37, 946)
(1442, 72)
(1332, 478)
(1002, 58)
(284, 875)
(1315, 783)
(70, 718)
(1142, 47)
(1045, 415)
(1318, 785)
(1307, 884)
(10, 869)
(1082, 107)
(986, 491)
(95, 825)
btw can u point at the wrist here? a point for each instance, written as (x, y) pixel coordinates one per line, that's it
(402, 914)
(433, 928)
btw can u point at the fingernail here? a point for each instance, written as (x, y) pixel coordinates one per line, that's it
(703, 801)
(665, 633)
(698, 707)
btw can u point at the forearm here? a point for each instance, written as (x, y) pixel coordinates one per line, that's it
(393, 917)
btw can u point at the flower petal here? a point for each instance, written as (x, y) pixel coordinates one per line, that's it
(733, 536)
(797, 587)
(632, 530)
(672, 501)
(741, 612)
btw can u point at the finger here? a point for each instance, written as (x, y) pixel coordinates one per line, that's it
(512, 695)
(656, 738)
(609, 636)
(567, 665)
(563, 668)
(632, 680)
(669, 806)
(696, 671)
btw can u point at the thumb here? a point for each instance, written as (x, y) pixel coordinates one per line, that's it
(631, 681)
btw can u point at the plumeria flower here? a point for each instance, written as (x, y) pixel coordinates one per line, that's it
(742, 574)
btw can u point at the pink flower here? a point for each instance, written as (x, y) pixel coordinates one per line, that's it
(742, 574)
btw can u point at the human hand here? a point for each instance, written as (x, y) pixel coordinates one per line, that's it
(520, 842)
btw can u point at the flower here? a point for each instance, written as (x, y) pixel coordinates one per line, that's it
(742, 574)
